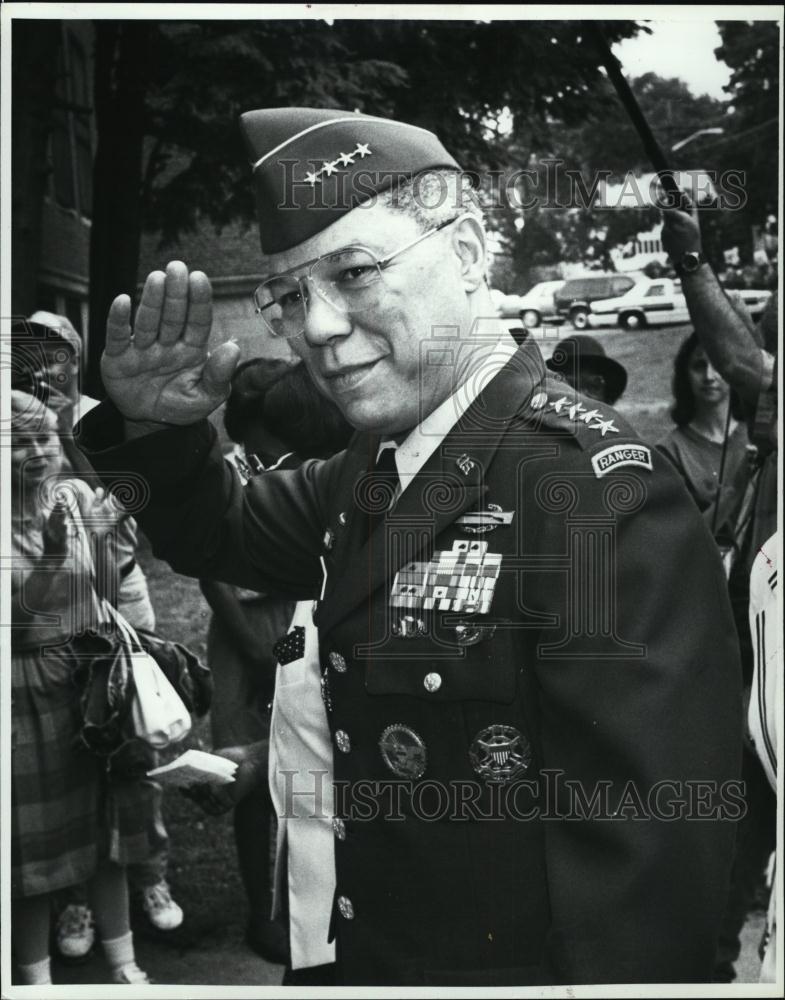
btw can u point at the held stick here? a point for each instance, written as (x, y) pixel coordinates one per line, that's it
(631, 106)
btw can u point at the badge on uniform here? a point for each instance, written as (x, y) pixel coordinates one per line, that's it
(478, 522)
(462, 578)
(500, 753)
(617, 455)
(403, 751)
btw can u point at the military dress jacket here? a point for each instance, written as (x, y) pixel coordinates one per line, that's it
(531, 675)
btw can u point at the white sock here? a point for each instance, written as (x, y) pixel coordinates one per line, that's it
(37, 973)
(119, 951)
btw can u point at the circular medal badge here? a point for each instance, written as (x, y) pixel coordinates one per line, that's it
(500, 753)
(403, 751)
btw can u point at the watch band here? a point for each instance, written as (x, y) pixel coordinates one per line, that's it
(691, 261)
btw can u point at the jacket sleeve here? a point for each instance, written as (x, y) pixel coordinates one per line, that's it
(640, 705)
(199, 517)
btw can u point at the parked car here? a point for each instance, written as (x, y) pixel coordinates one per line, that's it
(537, 305)
(573, 300)
(507, 306)
(655, 302)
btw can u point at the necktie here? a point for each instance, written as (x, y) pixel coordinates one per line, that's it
(381, 489)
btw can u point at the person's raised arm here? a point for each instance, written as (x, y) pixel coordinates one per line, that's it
(30, 590)
(159, 370)
(722, 331)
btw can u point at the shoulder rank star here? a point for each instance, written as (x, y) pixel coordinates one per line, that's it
(604, 426)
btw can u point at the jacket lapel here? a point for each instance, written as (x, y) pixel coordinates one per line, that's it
(451, 482)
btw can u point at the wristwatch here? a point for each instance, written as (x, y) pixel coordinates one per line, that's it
(690, 261)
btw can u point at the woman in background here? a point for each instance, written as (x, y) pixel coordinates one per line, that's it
(708, 422)
(61, 831)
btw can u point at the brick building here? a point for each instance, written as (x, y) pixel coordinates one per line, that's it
(230, 259)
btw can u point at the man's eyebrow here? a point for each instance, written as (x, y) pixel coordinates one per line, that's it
(267, 276)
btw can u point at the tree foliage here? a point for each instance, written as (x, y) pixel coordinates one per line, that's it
(570, 158)
(751, 49)
(457, 78)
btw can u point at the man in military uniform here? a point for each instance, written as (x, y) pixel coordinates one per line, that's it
(527, 657)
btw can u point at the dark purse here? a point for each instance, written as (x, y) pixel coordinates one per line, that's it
(108, 689)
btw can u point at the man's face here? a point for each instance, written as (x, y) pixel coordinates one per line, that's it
(373, 365)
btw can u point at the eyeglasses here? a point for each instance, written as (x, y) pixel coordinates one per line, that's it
(349, 279)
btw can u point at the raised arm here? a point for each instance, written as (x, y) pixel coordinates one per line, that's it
(723, 332)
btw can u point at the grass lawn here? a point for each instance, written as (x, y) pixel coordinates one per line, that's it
(203, 868)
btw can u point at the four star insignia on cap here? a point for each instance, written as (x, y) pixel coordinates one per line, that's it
(330, 167)
(309, 166)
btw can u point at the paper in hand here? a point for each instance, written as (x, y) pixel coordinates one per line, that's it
(195, 767)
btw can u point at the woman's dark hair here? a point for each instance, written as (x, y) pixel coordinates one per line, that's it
(683, 409)
(284, 400)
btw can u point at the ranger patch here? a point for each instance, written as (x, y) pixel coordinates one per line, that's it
(608, 459)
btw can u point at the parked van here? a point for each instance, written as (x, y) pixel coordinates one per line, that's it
(574, 298)
(537, 305)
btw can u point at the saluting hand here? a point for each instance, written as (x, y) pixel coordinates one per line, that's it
(161, 370)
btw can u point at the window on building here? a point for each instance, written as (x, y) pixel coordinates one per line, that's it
(62, 160)
(71, 140)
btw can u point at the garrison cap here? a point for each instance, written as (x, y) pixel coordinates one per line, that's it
(313, 165)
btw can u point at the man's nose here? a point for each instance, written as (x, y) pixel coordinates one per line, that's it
(323, 321)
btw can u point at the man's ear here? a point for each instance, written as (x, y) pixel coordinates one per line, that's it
(469, 245)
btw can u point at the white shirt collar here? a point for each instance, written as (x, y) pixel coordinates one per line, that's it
(412, 454)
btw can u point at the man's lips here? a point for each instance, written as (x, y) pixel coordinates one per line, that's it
(349, 376)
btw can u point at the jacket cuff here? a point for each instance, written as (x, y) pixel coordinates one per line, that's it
(163, 458)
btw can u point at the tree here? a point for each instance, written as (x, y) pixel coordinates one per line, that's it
(122, 77)
(603, 144)
(457, 78)
(751, 50)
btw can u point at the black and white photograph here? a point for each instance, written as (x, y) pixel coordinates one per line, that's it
(390, 500)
